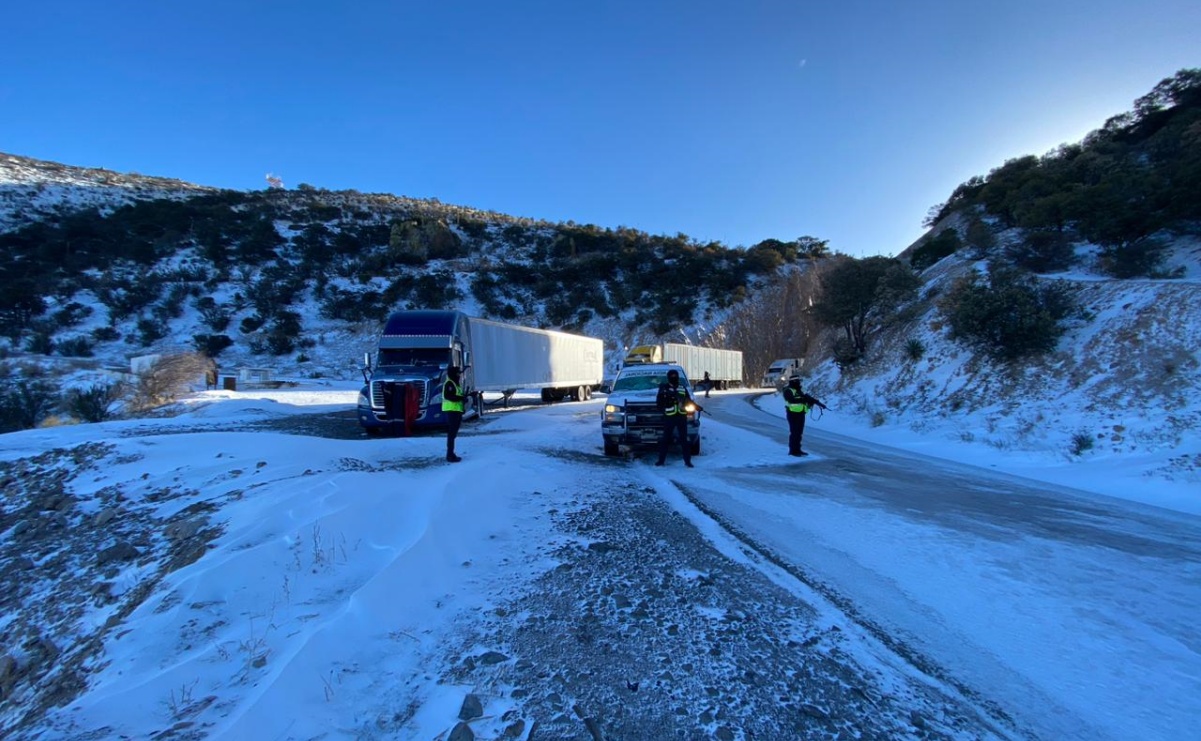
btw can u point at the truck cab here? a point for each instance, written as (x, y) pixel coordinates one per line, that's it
(780, 371)
(403, 387)
(632, 419)
(641, 354)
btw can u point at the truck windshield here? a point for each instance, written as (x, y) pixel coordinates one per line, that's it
(413, 356)
(643, 383)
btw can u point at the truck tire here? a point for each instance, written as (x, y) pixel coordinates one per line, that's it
(696, 447)
(610, 448)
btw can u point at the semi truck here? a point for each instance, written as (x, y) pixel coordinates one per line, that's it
(723, 366)
(780, 371)
(403, 386)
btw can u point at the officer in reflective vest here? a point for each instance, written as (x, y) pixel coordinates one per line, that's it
(673, 400)
(453, 404)
(797, 403)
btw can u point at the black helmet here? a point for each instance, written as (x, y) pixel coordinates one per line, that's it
(794, 381)
(453, 370)
(673, 373)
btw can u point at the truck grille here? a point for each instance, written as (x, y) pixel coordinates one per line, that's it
(645, 415)
(378, 389)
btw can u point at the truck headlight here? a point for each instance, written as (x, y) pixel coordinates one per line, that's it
(613, 414)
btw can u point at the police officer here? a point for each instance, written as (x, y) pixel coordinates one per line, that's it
(673, 400)
(453, 404)
(797, 403)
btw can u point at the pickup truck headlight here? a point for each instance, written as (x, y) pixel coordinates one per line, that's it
(613, 414)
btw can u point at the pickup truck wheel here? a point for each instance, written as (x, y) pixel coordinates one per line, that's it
(610, 448)
(696, 447)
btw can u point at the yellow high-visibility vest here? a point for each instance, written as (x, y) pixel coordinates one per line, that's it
(453, 406)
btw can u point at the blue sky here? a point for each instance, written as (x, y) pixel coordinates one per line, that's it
(726, 121)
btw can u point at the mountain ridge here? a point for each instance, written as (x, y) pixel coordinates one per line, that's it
(1135, 349)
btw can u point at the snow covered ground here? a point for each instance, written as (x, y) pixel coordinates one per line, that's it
(216, 575)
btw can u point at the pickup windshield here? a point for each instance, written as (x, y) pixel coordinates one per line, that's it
(643, 383)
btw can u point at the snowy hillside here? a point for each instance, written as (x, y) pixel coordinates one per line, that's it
(1122, 387)
(32, 190)
(1123, 384)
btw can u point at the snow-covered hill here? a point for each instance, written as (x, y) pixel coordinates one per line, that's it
(35, 190)
(1122, 387)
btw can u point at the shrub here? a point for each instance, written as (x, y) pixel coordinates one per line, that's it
(94, 404)
(281, 339)
(1009, 315)
(846, 353)
(71, 314)
(75, 347)
(252, 323)
(214, 315)
(167, 378)
(944, 243)
(211, 345)
(41, 343)
(25, 403)
(105, 334)
(1137, 258)
(915, 349)
(1081, 443)
(150, 331)
(1043, 251)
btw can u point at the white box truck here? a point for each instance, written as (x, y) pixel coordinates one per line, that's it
(403, 387)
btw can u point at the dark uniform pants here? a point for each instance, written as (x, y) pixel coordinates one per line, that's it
(796, 429)
(675, 424)
(453, 420)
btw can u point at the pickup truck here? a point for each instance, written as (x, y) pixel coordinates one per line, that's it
(631, 419)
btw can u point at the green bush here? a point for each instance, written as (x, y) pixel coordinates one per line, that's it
(211, 345)
(1043, 251)
(1008, 315)
(150, 331)
(915, 349)
(71, 314)
(1134, 259)
(75, 347)
(94, 404)
(106, 334)
(252, 323)
(40, 343)
(846, 353)
(24, 404)
(944, 243)
(1082, 442)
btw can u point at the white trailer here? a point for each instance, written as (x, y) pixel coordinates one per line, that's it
(723, 366)
(506, 357)
(403, 388)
